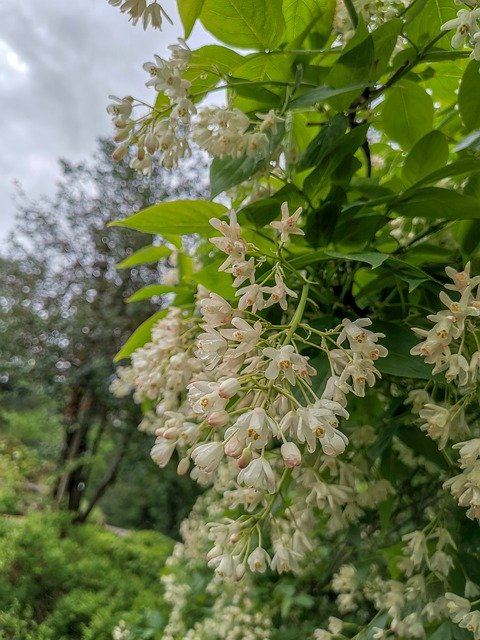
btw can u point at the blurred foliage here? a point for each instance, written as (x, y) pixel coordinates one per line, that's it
(59, 581)
(63, 317)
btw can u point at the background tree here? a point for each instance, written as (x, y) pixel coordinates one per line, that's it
(64, 315)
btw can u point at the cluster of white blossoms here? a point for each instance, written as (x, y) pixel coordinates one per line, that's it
(452, 345)
(405, 606)
(166, 130)
(228, 386)
(149, 14)
(467, 28)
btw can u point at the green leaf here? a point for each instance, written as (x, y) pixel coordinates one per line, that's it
(384, 40)
(150, 291)
(428, 154)
(329, 137)
(370, 257)
(434, 202)
(323, 94)
(353, 66)
(145, 255)
(247, 24)
(468, 101)
(301, 16)
(399, 340)
(261, 68)
(346, 146)
(216, 59)
(407, 113)
(189, 11)
(457, 168)
(215, 280)
(177, 217)
(429, 17)
(140, 336)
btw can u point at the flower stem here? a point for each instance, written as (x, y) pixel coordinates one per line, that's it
(297, 317)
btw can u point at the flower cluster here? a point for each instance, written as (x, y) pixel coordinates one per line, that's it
(451, 343)
(242, 394)
(150, 14)
(452, 346)
(167, 128)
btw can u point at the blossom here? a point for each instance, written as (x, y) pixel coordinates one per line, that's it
(287, 226)
(278, 293)
(208, 456)
(465, 24)
(245, 334)
(258, 560)
(162, 451)
(282, 362)
(251, 296)
(291, 454)
(259, 475)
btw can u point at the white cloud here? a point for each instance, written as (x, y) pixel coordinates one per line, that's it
(59, 61)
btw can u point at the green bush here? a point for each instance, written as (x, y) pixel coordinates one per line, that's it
(59, 581)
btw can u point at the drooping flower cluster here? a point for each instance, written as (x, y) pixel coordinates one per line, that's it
(243, 391)
(452, 346)
(166, 130)
(150, 14)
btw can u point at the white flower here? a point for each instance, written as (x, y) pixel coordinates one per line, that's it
(204, 397)
(243, 271)
(465, 24)
(254, 427)
(284, 560)
(287, 226)
(259, 475)
(162, 451)
(251, 296)
(278, 293)
(469, 451)
(258, 560)
(437, 423)
(268, 121)
(215, 310)
(282, 362)
(208, 456)
(362, 340)
(211, 347)
(291, 454)
(246, 335)
(457, 607)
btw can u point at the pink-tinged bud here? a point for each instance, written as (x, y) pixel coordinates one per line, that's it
(234, 538)
(234, 447)
(120, 152)
(151, 143)
(214, 552)
(239, 572)
(245, 458)
(140, 153)
(171, 433)
(228, 388)
(159, 432)
(291, 455)
(183, 466)
(218, 419)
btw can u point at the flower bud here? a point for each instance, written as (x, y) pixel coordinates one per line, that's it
(291, 454)
(239, 572)
(228, 388)
(120, 152)
(218, 419)
(245, 458)
(183, 466)
(234, 447)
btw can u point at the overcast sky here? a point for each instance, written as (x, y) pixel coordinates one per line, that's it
(59, 61)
